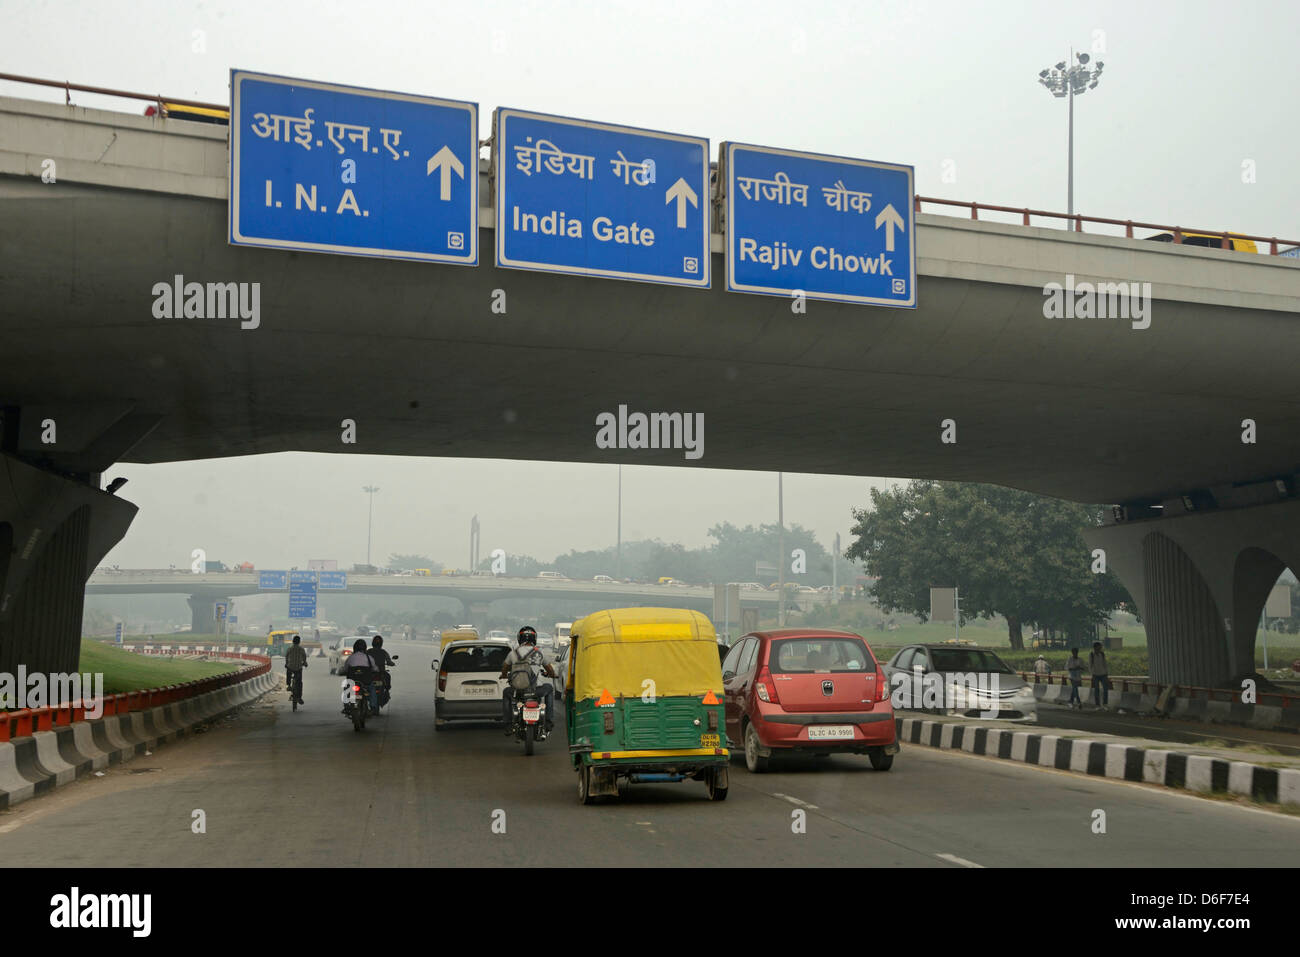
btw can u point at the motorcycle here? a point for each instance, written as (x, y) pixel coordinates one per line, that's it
(356, 703)
(381, 683)
(529, 711)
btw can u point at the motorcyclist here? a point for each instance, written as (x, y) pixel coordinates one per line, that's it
(526, 657)
(360, 668)
(382, 660)
(295, 659)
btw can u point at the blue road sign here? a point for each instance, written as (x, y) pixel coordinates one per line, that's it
(302, 599)
(219, 609)
(340, 169)
(117, 636)
(829, 227)
(596, 199)
(333, 580)
(272, 581)
(302, 577)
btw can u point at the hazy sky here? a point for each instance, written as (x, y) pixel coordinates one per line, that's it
(1191, 91)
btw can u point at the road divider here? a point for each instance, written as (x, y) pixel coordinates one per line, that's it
(44, 748)
(1111, 759)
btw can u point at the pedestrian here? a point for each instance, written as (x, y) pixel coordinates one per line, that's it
(1075, 667)
(1100, 675)
(1041, 667)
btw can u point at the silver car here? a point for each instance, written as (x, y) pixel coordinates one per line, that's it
(956, 680)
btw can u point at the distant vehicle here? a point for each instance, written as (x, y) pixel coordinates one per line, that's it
(561, 667)
(748, 586)
(244, 567)
(562, 629)
(807, 691)
(666, 579)
(215, 567)
(424, 572)
(497, 633)
(604, 580)
(461, 633)
(969, 682)
(469, 682)
(807, 590)
(339, 649)
(1209, 240)
(552, 575)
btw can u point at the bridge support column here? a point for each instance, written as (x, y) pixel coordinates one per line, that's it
(54, 531)
(202, 621)
(476, 612)
(1201, 580)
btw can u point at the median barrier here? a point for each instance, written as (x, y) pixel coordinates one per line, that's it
(44, 748)
(1118, 760)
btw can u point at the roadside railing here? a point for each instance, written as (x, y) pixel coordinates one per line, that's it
(1190, 692)
(21, 723)
(1075, 219)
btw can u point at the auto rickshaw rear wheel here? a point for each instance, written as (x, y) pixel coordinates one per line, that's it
(584, 784)
(716, 793)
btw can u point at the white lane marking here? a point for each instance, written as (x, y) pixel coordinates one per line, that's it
(958, 860)
(795, 800)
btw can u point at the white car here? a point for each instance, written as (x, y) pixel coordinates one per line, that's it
(339, 649)
(498, 635)
(470, 685)
(604, 580)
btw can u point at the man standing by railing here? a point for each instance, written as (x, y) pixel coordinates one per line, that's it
(1075, 668)
(1100, 675)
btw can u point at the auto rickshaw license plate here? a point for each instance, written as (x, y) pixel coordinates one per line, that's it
(709, 740)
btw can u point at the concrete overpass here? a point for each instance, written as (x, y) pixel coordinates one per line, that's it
(475, 593)
(1085, 409)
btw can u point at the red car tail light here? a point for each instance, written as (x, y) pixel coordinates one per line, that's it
(882, 687)
(765, 687)
(442, 680)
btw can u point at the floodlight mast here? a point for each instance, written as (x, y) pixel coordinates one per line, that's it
(1069, 78)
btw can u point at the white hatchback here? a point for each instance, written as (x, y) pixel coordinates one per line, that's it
(469, 684)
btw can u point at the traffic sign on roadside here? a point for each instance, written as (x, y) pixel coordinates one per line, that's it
(332, 580)
(596, 199)
(825, 226)
(341, 169)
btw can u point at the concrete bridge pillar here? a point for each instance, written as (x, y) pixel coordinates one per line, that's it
(1201, 580)
(476, 612)
(202, 621)
(54, 531)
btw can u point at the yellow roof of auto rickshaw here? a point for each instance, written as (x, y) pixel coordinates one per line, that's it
(620, 649)
(457, 634)
(283, 631)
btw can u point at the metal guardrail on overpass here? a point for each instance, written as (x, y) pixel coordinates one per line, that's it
(1076, 219)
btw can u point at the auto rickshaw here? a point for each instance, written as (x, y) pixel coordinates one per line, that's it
(643, 701)
(279, 640)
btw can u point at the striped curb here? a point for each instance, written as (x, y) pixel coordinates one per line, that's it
(1171, 769)
(45, 760)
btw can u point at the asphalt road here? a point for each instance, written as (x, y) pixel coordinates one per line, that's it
(281, 788)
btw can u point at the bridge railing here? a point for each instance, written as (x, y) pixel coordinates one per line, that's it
(1075, 219)
(1191, 692)
(1078, 219)
(21, 723)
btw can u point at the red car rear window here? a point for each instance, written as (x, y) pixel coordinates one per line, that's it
(819, 655)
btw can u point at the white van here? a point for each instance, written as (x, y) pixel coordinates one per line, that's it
(562, 630)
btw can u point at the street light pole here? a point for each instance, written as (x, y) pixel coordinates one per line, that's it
(370, 525)
(1067, 79)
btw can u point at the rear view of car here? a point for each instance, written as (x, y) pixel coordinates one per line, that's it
(811, 692)
(469, 682)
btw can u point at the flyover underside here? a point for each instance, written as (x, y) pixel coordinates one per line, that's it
(1089, 410)
(1201, 581)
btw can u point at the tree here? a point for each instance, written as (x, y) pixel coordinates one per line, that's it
(1009, 552)
(736, 551)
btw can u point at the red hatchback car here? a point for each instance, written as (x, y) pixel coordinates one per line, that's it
(807, 691)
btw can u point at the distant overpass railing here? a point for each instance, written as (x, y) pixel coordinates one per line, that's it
(1077, 219)
(21, 723)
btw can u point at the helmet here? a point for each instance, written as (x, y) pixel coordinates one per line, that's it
(377, 641)
(359, 645)
(528, 634)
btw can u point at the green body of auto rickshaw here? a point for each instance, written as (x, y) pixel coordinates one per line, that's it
(643, 701)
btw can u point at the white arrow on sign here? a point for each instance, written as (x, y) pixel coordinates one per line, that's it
(446, 160)
(682, 192)
(889, 216)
